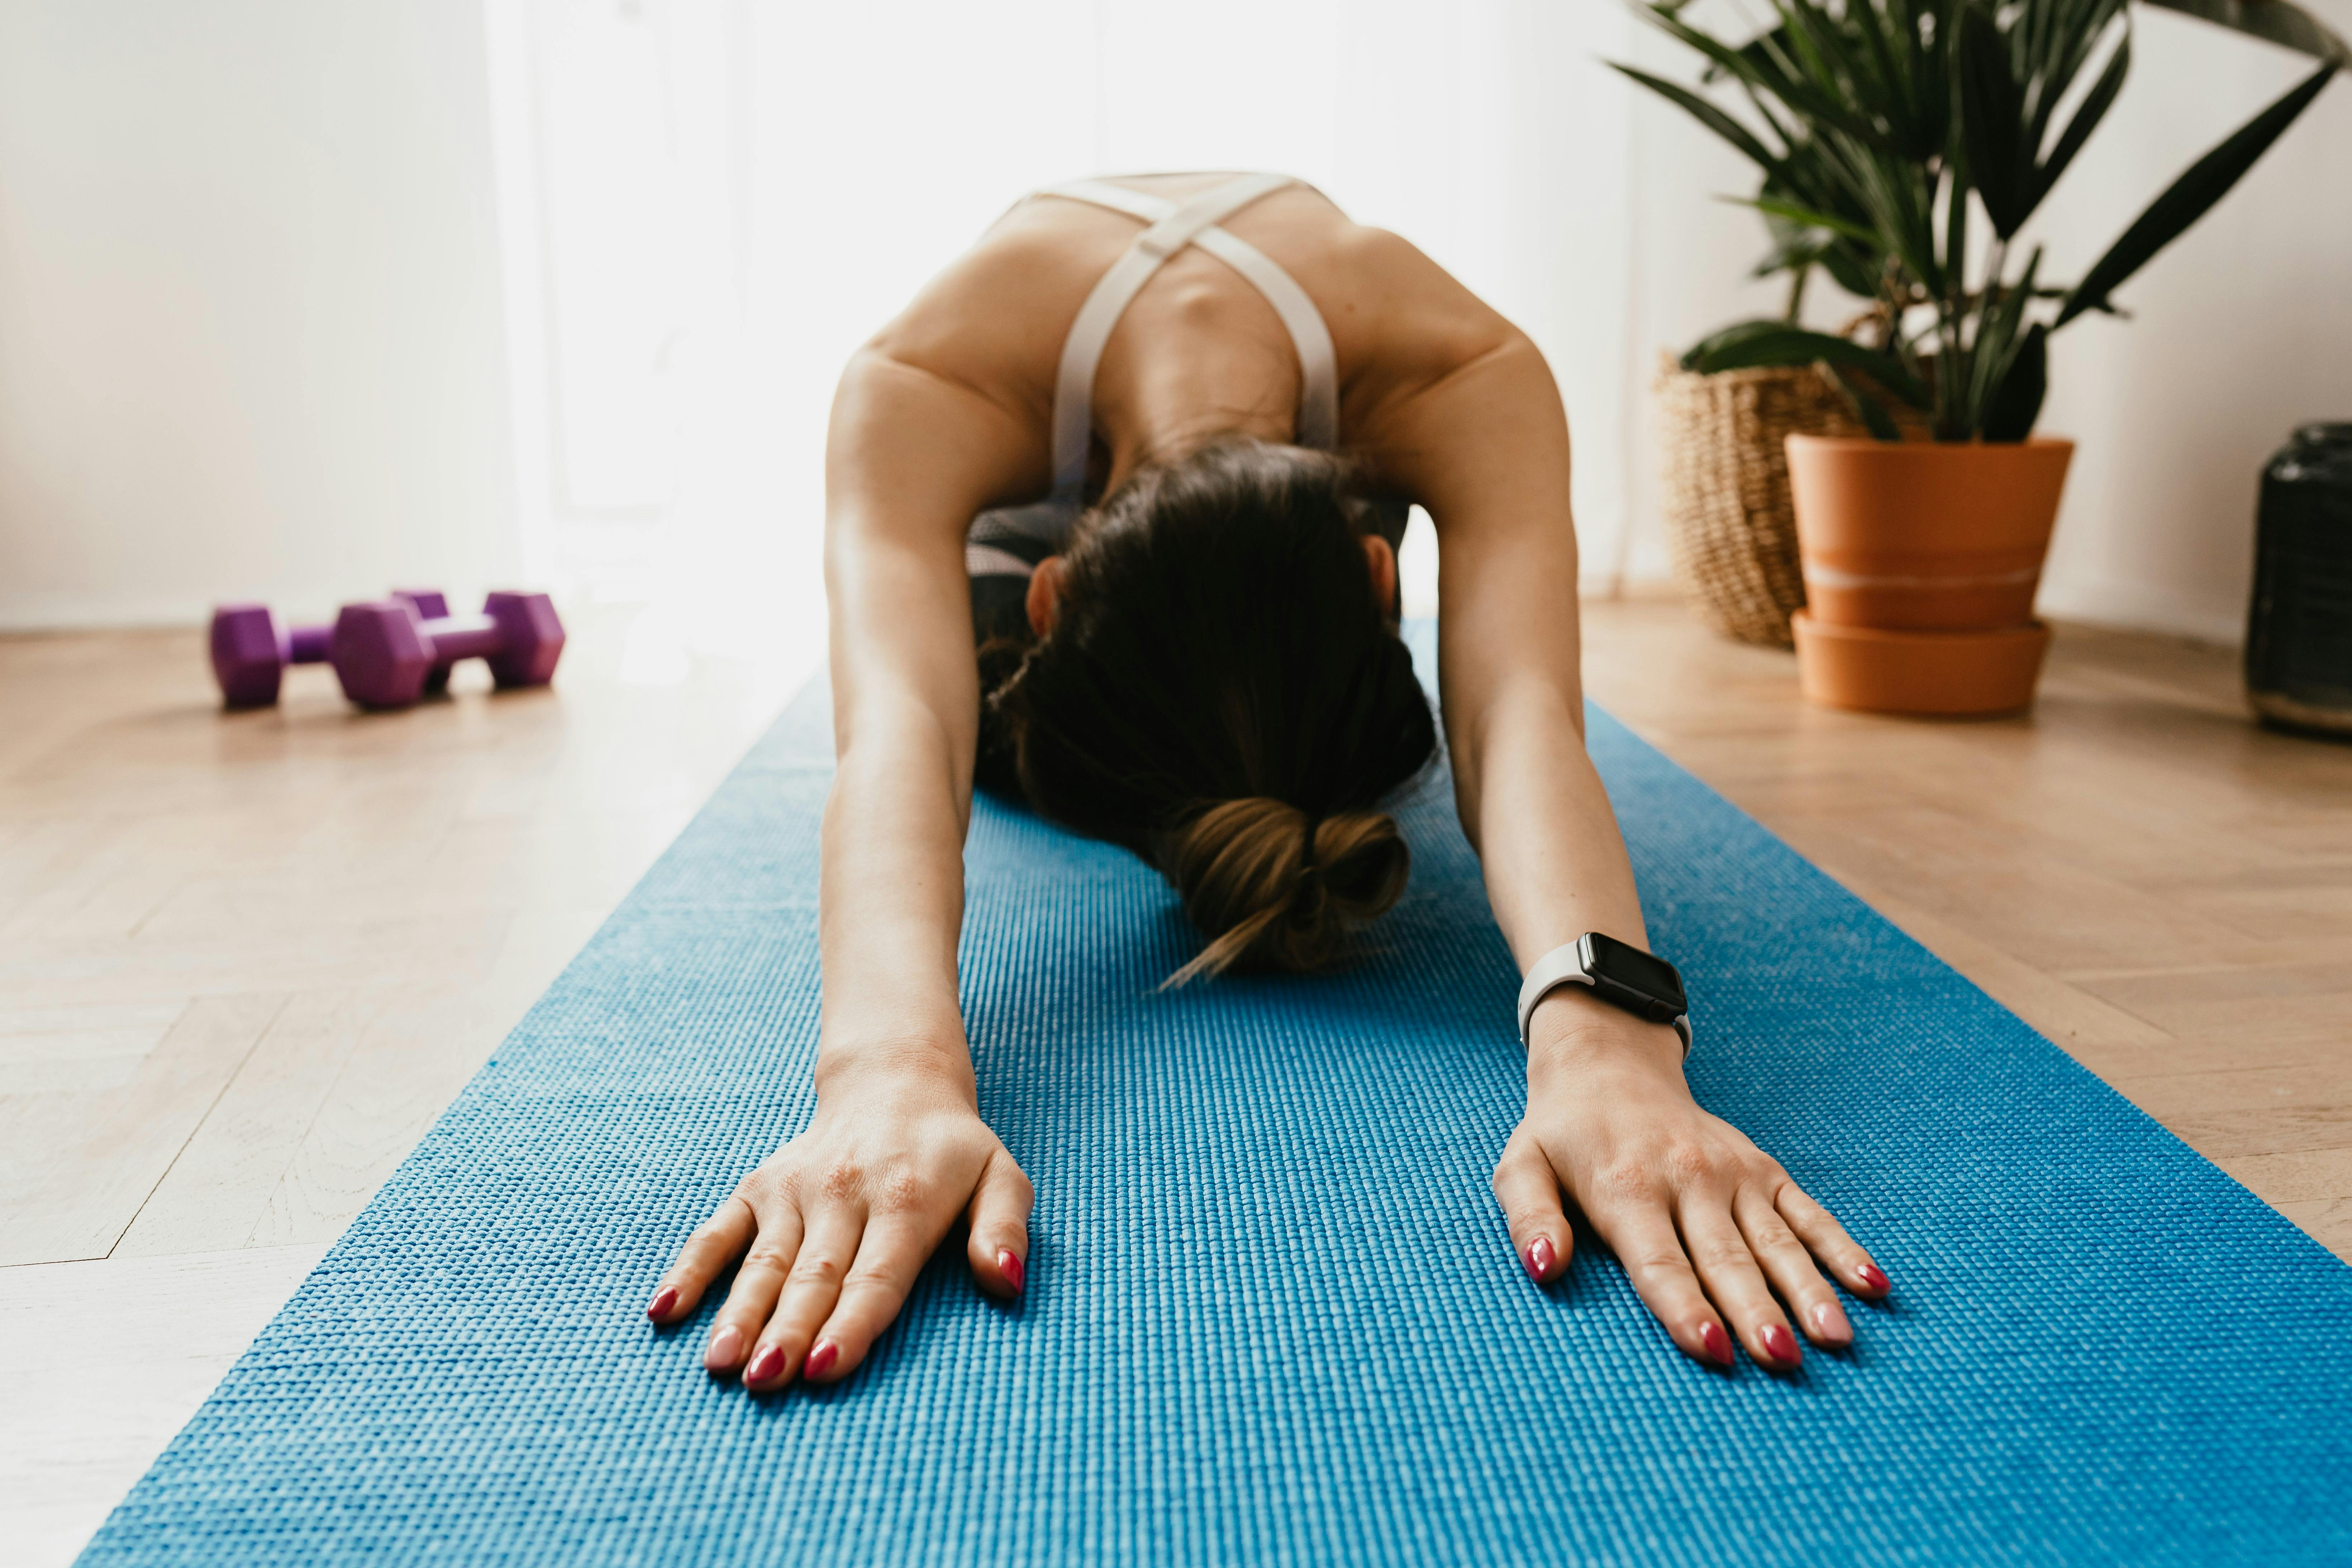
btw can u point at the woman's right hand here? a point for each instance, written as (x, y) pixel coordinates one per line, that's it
(832, 1228)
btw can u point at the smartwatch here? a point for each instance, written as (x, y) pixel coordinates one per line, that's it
(1619, 973)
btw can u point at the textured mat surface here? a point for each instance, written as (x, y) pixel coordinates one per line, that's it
(1272, 1316)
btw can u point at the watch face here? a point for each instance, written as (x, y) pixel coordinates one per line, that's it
(1646, 974)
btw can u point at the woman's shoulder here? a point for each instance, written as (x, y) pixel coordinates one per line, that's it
(1422, 300)
(994, 317)
(1400, 322)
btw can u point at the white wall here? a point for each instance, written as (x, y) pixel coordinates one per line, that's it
(1691, 253)
(249, 306)
(300, 300)
(2242, 330)
(775, 181)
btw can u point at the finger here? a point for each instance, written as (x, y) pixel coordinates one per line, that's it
(893, 1252)
(1733, 1282)
(1826, 1239)
(1529, 1190)
(787, 1343)
(1642, 1233)
(998, 1216)
(716, 1243)
(757, 1284)
(1789, 1267)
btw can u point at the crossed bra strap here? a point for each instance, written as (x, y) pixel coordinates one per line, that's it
(1175, 225)
(1007, 542)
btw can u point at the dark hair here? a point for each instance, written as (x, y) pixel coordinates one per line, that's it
(1220, 694)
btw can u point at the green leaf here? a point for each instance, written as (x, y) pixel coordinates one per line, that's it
(1774, 75)
(1812, 217)
(1956, 222)
(2275, 20)
(1790, 257)
(1818, 50)
(2190, 196)
(1854, 267)
(2094, 108)
(1996, 342)
(1712, 72)
(2016, 401)
(1895, 192)
(1890, 86)
(2066, 56)
(1867, 408)
(1834, 47)
(1750, 345)
(1740, 64)
(1992, 123)
(1706, 114)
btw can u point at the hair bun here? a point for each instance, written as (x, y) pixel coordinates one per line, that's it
(1268, 896)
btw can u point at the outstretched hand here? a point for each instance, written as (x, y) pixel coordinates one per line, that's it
(832, 1228)
(1710, 1230)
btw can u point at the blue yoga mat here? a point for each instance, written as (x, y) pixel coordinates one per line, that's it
(1272, 1316)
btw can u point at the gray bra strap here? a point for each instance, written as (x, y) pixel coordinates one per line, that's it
(1173, 226)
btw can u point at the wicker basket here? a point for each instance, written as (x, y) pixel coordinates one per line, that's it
(1729, 525)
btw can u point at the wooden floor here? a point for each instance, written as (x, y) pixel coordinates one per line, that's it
(2141, 874)
(245, 960)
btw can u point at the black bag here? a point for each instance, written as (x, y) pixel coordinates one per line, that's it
(2299, 633)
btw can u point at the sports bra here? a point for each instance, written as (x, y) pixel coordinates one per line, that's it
(1008, 542)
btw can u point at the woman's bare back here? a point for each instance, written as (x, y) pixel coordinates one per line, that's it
(1200, 352)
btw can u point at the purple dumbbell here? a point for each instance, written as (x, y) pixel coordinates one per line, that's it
(430, 605)
(251, 651)
(385, 654)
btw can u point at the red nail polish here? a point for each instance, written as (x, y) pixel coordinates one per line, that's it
(1870, 1276)
(820, 1360)
(663, 1299)
(1780, 1344)
(1541, 1257)
(1714, 1342)
(1008, 1263)
(765, 1365)
(1830, 1325)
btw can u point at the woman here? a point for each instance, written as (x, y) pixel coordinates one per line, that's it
(1188, 648)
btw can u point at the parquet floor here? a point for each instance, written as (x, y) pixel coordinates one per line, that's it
(2136, 870)
(245, 960)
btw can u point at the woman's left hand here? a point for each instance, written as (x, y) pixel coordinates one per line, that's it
(1708, 1226)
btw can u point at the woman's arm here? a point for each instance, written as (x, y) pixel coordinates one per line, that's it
(1707, 1226)
(832, 1228)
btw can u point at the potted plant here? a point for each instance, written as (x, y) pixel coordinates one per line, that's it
(1723, 487)
(1724, 420)
(1904, 144)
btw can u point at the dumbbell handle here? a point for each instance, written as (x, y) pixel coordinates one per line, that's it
(308, 645)
(387, 654)
(453, 638)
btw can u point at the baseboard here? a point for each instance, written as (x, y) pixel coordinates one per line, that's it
(2141, 607)
(98, 612)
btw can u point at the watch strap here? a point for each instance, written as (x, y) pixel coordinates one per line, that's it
(1565, 966)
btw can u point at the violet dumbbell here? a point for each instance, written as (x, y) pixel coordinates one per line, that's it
(430, 605)
(250, 652)
(385, 654)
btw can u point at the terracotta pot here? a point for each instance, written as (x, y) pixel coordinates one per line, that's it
(1921, 560)
(1942, 674)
